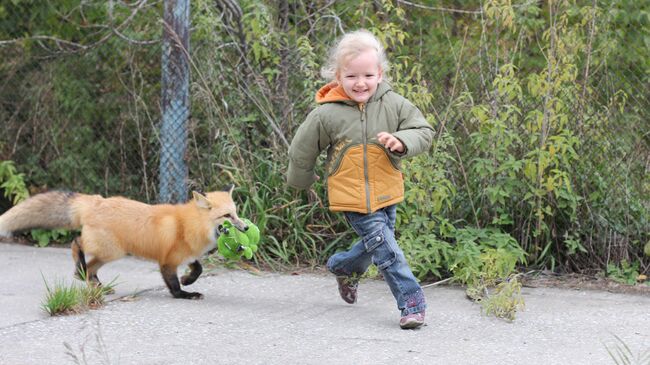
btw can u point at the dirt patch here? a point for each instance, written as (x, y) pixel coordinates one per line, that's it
(582, 282)
(23, 239)
(19, 239)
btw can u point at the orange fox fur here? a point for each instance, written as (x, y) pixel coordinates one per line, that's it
(113, 227)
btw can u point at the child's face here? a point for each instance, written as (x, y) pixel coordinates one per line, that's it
(360, 76)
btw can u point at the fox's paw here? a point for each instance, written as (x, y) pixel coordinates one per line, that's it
(189, 295)
(196, 296)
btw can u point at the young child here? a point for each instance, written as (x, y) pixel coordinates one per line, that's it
(367, 129)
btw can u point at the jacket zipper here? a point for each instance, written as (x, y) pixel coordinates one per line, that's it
(364, 138)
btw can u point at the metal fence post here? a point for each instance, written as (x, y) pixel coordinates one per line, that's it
(175, 101)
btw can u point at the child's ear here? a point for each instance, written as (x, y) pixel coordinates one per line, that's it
(381, 75)
(201, 201)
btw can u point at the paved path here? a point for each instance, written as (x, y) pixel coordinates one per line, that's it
(296, 319)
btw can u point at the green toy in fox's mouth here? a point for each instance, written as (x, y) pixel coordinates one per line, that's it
(233, 243)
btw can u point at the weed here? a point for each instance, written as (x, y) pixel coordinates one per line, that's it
(80, 355)
(505, 301)
(622, 354)
(94, 296)
(62, 299)
(485, 261)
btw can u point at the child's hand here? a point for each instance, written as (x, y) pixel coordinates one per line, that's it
(390, 142)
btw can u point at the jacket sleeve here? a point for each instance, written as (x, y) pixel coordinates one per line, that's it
(413, 130)
(310, 139)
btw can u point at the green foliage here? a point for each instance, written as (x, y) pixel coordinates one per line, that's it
(626, 273)
(71, 115)
(485, 261)
(484, 256)
(422, 227)
(12, 182)
(44, 237)
(573, 245)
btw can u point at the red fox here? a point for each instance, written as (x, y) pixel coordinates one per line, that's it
(113, 227)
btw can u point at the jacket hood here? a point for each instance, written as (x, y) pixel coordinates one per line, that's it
(333, 92)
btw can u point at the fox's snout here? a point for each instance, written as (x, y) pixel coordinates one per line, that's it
(239, 225)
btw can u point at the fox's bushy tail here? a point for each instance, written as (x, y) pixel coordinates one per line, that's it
(47, 210)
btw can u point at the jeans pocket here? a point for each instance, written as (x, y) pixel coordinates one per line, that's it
(383, 254)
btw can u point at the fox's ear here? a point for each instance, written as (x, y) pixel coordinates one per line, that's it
(229, 188)
(201, 200)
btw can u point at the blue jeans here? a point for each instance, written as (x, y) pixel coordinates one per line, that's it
(378, 246)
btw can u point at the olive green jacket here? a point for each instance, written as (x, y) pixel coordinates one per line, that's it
(362, 175)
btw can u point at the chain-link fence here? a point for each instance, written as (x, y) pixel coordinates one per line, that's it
(175, 101)
(104, 113)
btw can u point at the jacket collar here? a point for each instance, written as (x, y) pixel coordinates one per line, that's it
(333, 92)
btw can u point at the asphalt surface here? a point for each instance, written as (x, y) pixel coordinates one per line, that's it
(271, 318)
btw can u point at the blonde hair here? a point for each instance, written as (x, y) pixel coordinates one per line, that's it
(349, 46)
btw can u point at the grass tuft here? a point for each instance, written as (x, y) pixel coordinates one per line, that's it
(63, 299)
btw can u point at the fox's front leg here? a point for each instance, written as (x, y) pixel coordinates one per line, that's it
(171, 279)
(195, 271)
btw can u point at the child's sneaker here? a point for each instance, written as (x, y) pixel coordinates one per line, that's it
(412, 320)
(348, 288)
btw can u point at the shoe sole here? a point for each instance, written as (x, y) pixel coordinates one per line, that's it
(343, 296)
(411, 324)
(348, 301)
